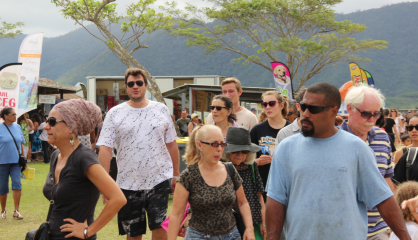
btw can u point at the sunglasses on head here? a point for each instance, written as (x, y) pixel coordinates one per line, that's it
(368, 115)
(215, 144)
(53, 121)
(271, 104)
(132, 83)
(411, 127)
(218, 108)
(242, 151)
(313, 109)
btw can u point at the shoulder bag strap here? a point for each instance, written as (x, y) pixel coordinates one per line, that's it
(230, 169)
(17, 148)
(412, 153)
(404, 150)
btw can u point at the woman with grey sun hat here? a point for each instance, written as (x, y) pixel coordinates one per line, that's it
(242, 153)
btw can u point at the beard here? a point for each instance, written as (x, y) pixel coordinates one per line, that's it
(137, 99)
(306, 132)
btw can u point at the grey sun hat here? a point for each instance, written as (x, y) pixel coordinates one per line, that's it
(238, 139)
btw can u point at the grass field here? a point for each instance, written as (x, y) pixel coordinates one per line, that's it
(34, 207)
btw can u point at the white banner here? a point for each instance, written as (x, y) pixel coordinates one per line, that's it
(9, 81)
(30, 56)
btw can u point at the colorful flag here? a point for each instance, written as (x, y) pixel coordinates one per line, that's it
(30, 56)
(355, 74)
(369, 79)
(282, 79)
(9, 80)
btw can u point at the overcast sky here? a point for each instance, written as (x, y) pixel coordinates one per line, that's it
(42, 15)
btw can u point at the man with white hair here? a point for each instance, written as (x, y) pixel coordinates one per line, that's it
(364, 109)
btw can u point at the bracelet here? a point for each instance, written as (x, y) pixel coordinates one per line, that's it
(175, 177)
(86, 232)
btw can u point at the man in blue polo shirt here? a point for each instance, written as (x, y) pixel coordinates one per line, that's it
(322, 179)
(363, 107)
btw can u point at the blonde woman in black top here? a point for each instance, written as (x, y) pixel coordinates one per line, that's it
(211, 192)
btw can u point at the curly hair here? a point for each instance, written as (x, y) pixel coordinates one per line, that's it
(405, 191)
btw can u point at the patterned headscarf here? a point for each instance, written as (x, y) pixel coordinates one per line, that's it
(80, 115)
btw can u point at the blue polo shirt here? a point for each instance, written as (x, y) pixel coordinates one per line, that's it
(8, 152)
(378, 141)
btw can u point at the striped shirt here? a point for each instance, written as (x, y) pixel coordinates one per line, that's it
(379, 142)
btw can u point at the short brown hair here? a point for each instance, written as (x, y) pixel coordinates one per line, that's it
(232, 80)
(299, 97)
(135, 72)
(405, 191)
(280, 98)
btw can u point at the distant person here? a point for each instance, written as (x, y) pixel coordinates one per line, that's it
(200, 122)
(406, 141)
(36, 142)
(24, 124)
(292, 113)
(391, 129)
(338, 121)
(262, 117)
(264, 134)
(326, 202)
(31, 132)
(44, 139)
(183, 122)
(231, 87)
(295, 127)
(223, 113)
(254, 110)
(194, 123)
(401, 124)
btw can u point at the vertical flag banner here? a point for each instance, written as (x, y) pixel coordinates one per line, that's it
(9, 81)
(282, 79)
(364, 77)
(355, 74)
(30, 56)
(370, 79)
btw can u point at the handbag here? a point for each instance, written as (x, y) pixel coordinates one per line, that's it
(165, 223)
(22, 159)
(42, 233)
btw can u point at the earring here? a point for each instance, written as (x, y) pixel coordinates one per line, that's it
(72, 141)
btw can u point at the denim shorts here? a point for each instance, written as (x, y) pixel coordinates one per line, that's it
(12, 170)
(193, 234)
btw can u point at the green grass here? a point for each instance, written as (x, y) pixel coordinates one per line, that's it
(34, 207)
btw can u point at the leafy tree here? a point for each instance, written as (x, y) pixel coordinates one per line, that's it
(138, 19)
(301, 32)
(10, 30)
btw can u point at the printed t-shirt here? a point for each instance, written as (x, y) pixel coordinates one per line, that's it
(141, 135)
(264, 136)
(244, 118)
(325, 185)
(378, 141)
(211, 206)
(8, 149)
(75, 195)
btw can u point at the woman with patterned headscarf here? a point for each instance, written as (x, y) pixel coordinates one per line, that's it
(76, 177)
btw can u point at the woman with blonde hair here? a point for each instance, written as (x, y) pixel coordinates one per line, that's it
(264, 134)
(223, 115)
(210, 191)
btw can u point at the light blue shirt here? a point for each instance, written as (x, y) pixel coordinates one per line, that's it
(325, 185)
(8, 152)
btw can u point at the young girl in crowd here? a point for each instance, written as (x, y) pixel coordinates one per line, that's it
(404, 192)
(264, 133)
(210, 191)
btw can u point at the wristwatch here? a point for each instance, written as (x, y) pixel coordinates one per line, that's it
(86, 232)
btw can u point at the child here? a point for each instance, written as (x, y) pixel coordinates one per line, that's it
(406, 141)
(405, 191)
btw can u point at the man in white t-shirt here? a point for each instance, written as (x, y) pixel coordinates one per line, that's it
(231, 87)
(147, 157)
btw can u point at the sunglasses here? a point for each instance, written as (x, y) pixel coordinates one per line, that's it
(313, 109)
(218, 108)
(368, 115)
(410, 127)
(215, 144)
(271, 104)
(393, 110)
(53, 121)
(242, 151)
(132, 83)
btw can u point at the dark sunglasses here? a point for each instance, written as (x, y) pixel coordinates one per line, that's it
(410, 127)
(219, 108)
(52, 121)
(368, 115)
(215, 144)
(242, 151)
(132, 83)
(313, 109)
(271, 104)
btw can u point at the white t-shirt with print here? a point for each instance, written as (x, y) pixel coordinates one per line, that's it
(141, 135)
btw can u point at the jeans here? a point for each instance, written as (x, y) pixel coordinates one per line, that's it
(192, 234)
(45, 147)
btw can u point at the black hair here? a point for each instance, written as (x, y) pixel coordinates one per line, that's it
(5, 111)
(37, 118)
(405, 137)
(332, 96)
(386, 112)
(381, 121)
(228, 105)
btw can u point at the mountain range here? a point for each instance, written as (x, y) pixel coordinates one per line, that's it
(72, 57)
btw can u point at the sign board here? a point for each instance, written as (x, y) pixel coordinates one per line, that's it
(199, 99)
(47, 99)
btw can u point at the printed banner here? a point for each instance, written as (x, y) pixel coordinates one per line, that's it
(282, 79)
(355, 71)
(9, 80)
(370, 79)
(30, 56)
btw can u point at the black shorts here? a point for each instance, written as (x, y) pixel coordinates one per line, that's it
(131, 217)
(31, 137)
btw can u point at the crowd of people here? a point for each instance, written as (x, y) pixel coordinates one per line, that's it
(301, 172)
